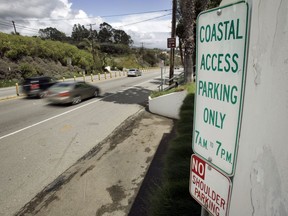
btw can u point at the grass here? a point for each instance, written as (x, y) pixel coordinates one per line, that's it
(189, 87)
(7, 83)
(172, 197)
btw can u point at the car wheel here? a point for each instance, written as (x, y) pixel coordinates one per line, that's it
(42, 94)
(76, 100)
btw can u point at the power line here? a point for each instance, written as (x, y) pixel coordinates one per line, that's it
(19, 27)
(145, 20)
(93, 17)
(26, 27)
(138, 13)
(6, 24)
(3, 22)
(37, 30)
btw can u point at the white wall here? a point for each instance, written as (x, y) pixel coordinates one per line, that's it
(260, 184)
(168, 105)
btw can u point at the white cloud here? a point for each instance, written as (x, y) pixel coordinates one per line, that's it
(28, 8)
(32, 15)
(62, 11)
(152, 33)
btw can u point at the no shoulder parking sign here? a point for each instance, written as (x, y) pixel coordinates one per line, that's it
(209, 187)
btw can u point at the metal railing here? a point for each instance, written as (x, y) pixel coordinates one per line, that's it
(176, 80)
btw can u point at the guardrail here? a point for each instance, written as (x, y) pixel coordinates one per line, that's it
(172, 82)
(89, 78)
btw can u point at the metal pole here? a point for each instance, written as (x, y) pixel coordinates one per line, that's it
(173, 35)
(204, 212)
(161, 78)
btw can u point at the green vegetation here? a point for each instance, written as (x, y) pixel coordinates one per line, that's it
(7, 83)
(172, 197)
(14, 47)
(22, 57)
(54, 55)
(190, 87)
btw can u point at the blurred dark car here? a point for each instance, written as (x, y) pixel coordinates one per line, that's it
(134, 72)
(71, 92)
(37, 86)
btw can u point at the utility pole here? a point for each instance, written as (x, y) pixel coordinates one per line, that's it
(92, 45)
(91, 34)
(173, 35)
(91, 26)
(141, 54)
(91, 29)
(14, 27)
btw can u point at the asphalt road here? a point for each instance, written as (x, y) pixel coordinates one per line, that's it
(8, 92)
(39, 141)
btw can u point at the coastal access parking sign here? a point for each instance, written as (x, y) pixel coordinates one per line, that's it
(220, 80)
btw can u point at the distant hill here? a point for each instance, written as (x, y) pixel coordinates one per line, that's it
(22, 56)
(25, 56)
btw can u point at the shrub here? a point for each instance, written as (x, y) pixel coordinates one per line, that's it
(27, 70)
(190, 87)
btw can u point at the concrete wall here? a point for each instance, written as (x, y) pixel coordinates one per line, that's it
(167, 105)
(260, 184)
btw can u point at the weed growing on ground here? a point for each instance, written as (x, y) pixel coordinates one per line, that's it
(172, 197)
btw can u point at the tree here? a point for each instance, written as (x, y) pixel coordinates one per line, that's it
(110, 48)
(186, 31)
(150, 57)
(180, 34)
(120, 37)
(108, 35)
(105, 34)
(79, 33)
(187, 8)
(52, 34)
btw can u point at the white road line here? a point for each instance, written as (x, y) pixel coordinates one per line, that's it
(69, 111)
(38, 123)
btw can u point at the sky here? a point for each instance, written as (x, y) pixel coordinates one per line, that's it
(148, 22)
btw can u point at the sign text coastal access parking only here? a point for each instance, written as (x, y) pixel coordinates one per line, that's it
(220, 77)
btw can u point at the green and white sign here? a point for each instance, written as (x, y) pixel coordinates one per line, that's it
(220, 77)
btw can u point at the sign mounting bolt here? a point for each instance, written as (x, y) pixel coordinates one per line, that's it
(219, 12)
(210, 160)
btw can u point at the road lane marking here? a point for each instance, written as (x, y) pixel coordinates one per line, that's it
(41, 122)
(69, 111)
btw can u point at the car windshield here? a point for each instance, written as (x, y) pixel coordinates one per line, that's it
(61, 87)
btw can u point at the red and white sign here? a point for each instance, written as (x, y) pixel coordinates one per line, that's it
(209, 187)
(171, 42)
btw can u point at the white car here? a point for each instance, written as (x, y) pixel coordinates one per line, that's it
(134, 72)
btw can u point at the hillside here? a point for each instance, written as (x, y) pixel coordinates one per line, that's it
(22, 57)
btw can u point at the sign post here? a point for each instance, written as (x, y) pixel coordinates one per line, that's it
(220, 78)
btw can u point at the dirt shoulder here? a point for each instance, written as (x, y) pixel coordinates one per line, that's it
(107, 179)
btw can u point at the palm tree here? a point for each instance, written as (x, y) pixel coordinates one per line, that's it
(186, 31)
